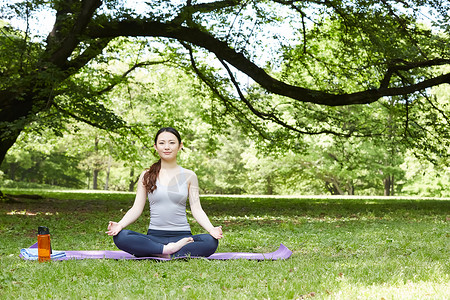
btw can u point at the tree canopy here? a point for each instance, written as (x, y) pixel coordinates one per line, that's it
(271, 64)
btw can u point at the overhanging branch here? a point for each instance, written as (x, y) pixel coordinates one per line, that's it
(406, 66)
(187, 11)
(270, 116)
(78, 118)
(95, 48)
(218, 94)
(240, 62)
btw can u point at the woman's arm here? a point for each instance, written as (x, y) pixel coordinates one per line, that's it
(197, 210)
(133, 213)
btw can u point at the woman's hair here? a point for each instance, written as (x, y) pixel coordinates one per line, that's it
(152, 173)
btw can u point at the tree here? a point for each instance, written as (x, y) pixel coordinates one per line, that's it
(40, 76)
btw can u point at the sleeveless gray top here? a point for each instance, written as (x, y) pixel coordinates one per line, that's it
(168, 205)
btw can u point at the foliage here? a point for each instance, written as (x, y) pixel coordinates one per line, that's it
(424, 178)
(44, 159)
(227, 159)
(342, 59)
(371, 50)
(128, 86)
(346, 248)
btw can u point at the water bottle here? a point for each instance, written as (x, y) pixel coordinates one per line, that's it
(44, 247)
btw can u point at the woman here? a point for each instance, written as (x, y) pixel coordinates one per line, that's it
(167, 186)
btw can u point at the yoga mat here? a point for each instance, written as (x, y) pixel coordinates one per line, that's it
(31, 254)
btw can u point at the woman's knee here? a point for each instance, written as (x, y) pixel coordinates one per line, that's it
(209, 242)
(214, 242)
(122, 237)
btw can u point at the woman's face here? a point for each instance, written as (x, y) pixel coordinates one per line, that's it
(167, 145)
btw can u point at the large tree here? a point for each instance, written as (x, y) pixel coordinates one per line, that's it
(40, 73)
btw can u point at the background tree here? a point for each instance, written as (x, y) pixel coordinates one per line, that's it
(352, 53)
(43, 159)
(233, 32)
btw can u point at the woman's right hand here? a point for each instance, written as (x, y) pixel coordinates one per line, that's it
(113, 228)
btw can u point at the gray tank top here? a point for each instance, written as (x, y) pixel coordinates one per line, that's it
(168, 205)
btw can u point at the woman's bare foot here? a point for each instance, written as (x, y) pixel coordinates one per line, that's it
(171, 248)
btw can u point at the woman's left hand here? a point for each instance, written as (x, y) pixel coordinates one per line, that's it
(216, 232)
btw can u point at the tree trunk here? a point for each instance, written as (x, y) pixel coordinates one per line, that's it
(88, 179)
(133, 181)
(392, 185)
(7, 137)
(333, 188)
(6, 142)
(108, 171)
(269, 185)
(95, 179)
(12, 171)
(388, 185)
(351, 190)
(96, 171)
(16, 108)
(107, 179)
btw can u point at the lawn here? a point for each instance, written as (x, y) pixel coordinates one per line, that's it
(343, 248)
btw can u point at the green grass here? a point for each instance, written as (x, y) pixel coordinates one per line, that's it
(344, 248)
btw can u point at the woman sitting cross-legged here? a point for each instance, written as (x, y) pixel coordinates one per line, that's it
(168, 187)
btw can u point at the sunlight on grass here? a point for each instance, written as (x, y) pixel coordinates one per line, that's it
(401, 291)
(29, 213)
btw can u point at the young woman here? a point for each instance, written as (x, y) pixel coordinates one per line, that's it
(167, 186)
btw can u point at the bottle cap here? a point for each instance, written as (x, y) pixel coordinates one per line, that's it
(43, 230)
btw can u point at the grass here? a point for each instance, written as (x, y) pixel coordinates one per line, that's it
(344, 248)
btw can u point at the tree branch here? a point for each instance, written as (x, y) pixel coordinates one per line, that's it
(270, 116)
(406, 66)
(187, 11)
(261, 115)
(60, 48)
(240, 62)
(216, 92)
(125, 74)
(78, 118)
(99, 126)
(95, 48)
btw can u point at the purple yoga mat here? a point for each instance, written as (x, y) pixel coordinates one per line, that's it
(282, 253)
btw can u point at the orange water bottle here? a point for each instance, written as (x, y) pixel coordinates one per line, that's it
(44, 247)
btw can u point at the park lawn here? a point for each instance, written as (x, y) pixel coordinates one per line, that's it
(343, 248)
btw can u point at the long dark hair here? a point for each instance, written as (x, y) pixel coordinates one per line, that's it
(152, 173)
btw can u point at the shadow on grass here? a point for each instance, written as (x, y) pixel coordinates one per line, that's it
(220, 206)
(324, 207)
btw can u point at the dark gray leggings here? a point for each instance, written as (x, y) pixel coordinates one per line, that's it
(141, 245)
